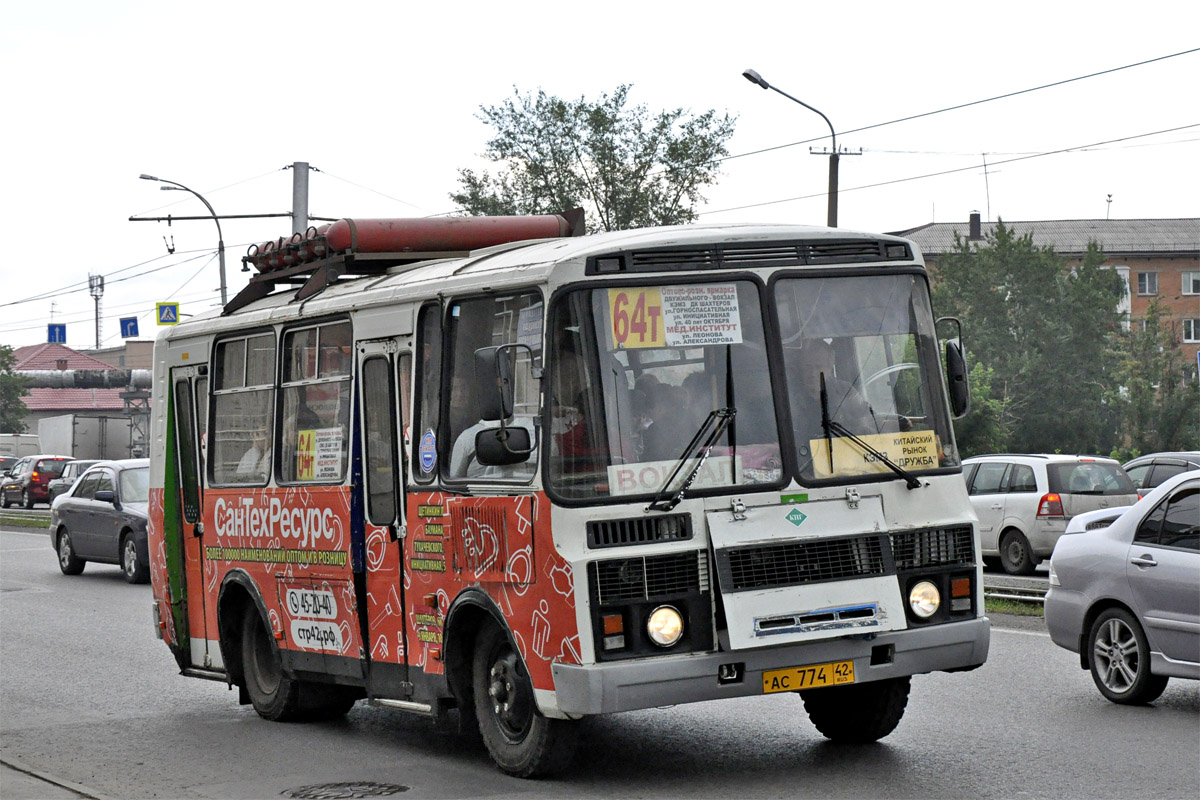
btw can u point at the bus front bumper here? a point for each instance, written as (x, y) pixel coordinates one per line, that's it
(647, 683)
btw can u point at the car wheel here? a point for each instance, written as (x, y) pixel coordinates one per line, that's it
(859, 713)
(68, 562)
(26, 498)
(274, 695)
(1120, 659)
(520, 740)
(135, 571)
(1015, 555)
(4, 501)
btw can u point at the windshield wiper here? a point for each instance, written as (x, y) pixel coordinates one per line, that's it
(831, 425)
(709, 431)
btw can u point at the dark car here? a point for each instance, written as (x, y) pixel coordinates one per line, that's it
(29, 481)
(1150, 470)
(71, 472)
(7, 463)
(103, 519)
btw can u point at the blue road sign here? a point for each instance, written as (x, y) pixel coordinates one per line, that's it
(167, 313)
(56, 333)
(128, 327)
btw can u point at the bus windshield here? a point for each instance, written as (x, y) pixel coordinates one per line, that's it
(637, 369)
(860, 359)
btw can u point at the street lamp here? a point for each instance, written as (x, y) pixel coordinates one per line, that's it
(755, 78)
(220, 239)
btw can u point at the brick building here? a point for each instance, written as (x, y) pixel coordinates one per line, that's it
(1156, 257)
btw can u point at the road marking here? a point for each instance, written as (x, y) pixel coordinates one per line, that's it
(22, 550)
(1021, 632)
(26, 533)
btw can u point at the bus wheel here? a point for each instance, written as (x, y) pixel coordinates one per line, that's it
(860, 713)
(274, 695)
(521, 741)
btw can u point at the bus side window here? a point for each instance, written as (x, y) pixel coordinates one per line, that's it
(316, 403)
(423, 438)
(404, 366)
(239, 452)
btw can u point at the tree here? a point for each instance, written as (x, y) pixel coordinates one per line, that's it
(1047, 333)
(1162, 398)
(12, 389)
(626, 167)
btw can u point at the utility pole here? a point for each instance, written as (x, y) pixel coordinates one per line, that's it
(96, 289)
(299, 196)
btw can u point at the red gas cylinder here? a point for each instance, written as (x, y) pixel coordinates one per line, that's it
(441, 233)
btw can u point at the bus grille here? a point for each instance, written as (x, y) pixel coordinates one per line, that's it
(648, 577)
(639, 530)
(933, 547)
(793, 563)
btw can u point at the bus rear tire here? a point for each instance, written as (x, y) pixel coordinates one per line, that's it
(858, 714)
(274, 695)
(521, 741)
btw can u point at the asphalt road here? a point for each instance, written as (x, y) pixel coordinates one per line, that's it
(93, 707)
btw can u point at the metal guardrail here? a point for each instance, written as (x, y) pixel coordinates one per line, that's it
(1026, 594)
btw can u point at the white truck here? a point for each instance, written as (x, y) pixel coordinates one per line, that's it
(86, 436)
(18, 445)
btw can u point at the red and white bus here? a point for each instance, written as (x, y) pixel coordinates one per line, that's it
(486, 471)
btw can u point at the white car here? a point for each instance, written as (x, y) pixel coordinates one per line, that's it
(1024, 502)
(1126, 595)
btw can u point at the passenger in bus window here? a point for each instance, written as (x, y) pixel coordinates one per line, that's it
(255, 465)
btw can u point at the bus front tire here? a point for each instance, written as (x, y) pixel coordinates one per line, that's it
(520, 740)
(860, 713)
(274, 695)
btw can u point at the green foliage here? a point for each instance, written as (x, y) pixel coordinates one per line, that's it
(626, 167)
(1161, 397)
(12, 389)
(1046, 338)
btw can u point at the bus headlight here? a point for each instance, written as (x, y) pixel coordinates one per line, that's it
(664, 626)
(924, 599)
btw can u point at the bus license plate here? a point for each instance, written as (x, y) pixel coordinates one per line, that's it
(793, 679)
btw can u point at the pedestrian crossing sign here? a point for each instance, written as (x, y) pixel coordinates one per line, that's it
(167, 313)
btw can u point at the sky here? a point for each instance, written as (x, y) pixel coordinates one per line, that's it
(382, 99)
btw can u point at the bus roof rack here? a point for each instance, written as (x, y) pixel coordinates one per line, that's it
(320, 256)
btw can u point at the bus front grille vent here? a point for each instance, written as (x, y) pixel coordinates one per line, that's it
(639, 530)
(933, 547)
(648, 577)
(842, 252)
(796, 563)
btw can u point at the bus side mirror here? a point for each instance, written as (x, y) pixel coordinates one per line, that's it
(495, 368)
(956, 369)
(503, 446)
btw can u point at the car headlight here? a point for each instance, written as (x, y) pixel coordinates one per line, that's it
(924, 599)
(664, 626)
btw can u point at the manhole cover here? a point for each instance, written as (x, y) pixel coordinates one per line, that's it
(345, 791)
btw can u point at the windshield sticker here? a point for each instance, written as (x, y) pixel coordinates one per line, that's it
(674, 316)
(648, 476)
(912, 450)
(427, 451)
(529, 327)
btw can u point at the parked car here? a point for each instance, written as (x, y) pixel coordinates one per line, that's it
(28, 481)
(1124, 596)
(1025, 501)
(1149, 471)
(71, 472)
(103, 519)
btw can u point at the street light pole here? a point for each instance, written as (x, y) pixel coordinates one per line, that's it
(220, 238)
(755, 78)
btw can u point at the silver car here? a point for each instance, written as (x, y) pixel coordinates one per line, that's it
(1126, 596)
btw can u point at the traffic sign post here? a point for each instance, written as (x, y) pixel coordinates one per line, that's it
(129, 327)
(56, 333)
(167, 313)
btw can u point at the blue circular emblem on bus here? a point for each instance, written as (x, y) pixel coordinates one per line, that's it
(427, 450)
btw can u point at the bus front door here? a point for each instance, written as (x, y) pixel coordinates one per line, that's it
(182, 524)
(383, 374)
